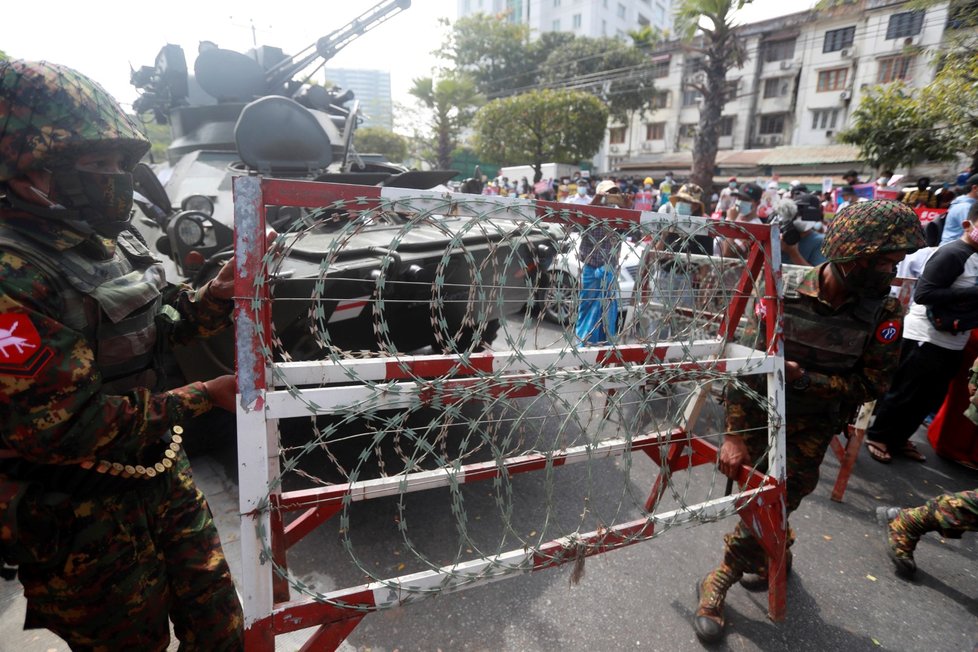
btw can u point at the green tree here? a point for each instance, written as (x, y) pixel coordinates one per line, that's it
(451, 103)
(381, 141)
(618, 73)
(495, 53)
(892, 128)
(713, 43)
(562, 126)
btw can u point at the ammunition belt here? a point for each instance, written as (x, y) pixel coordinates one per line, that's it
(102, 477)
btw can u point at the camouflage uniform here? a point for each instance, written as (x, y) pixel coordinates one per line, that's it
(105, 561)
(848, 352)
(950, 514)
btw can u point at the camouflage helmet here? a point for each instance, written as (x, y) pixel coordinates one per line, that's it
(870, 228)
(50, 114)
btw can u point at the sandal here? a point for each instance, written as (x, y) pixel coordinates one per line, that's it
(878, 452)
(910, 451)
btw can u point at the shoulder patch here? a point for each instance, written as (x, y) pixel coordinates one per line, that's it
(21, 351)
(889, 331)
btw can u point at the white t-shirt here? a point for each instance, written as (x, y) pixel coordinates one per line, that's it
(917, 327)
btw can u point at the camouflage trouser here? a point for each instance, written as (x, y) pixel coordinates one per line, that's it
(134, 560)
(806, 441)
(952, 513)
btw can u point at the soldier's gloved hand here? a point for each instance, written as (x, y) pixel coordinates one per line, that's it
(733, 455)
(222, 390)
(222, 285)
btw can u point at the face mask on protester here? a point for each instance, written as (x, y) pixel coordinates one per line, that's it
(648, 186)
(684, 208)
(581, 190)
(732, 185)
(745, 207)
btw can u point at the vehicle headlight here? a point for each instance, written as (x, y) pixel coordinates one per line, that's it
(199, 203)
(190, 231)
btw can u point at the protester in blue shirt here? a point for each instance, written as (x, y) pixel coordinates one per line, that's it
(958, 212)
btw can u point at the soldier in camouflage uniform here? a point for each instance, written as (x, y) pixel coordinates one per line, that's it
(841, 345)
(950, 514)
(111, 542)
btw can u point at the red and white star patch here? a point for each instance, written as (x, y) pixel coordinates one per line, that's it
(888, 331)
(21, 351)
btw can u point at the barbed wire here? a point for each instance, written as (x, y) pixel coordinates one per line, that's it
(517, 389)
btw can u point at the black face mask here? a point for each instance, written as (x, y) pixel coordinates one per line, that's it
(102, 201)
(868, 282)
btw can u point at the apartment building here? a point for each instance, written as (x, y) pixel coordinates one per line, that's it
(592, 18)
(803, 76)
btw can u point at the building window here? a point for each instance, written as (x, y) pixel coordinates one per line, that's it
(837, 39)
(832, 80)
(556, 3)
(577, 21)
(726, 125)
(556, 26)
(776, 87)
(691, 97)
(643, 21)
(622, 11)
(779, 50)
(893, 69)
(660, 14)
(687, 130)
(655, 131)
(616, 135)
(772, 124)
(907, 23)
(660, 100)
(660, 68)
(825, 118)
(604, 28)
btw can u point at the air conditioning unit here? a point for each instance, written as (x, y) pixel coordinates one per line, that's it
(845, 95)
(613, 149)
(847, 53)
(646, 147)
(787, 65)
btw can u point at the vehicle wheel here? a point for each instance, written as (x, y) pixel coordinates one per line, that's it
(560, 298)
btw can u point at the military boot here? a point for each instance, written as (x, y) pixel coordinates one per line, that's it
(902, 528)
(711, 592)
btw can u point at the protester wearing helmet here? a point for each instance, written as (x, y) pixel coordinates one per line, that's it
(646, 197)
(841, 347)
(106, 559)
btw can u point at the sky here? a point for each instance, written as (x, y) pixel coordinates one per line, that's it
(102, 39)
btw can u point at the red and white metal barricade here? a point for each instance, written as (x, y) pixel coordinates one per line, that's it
(268, 391)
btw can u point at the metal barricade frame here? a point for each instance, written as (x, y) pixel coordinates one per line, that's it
(268, 606)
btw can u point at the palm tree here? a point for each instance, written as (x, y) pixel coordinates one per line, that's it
(714, 44)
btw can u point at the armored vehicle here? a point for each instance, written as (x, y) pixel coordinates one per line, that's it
(258, 114)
